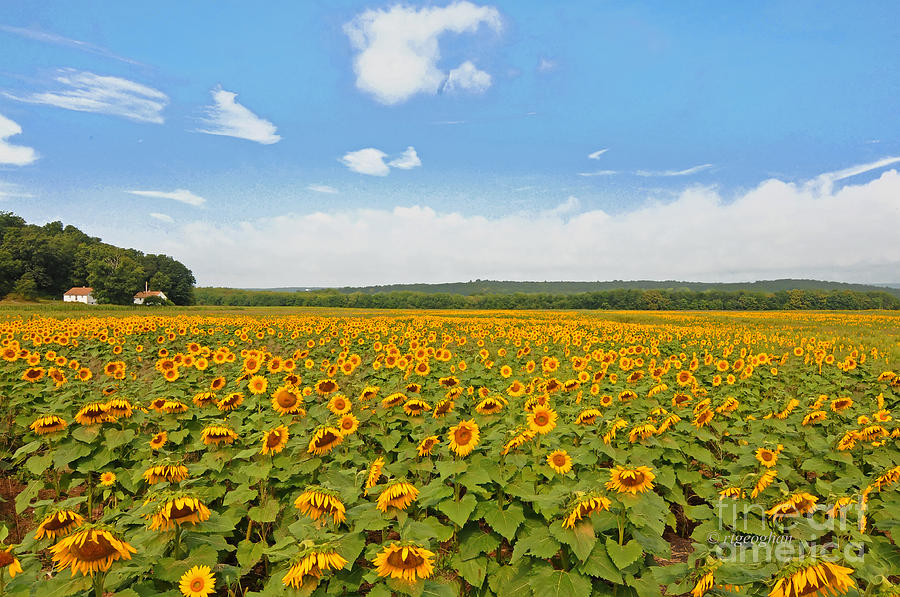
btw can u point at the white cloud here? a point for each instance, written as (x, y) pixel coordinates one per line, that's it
(467, 77)
(231, 119)
(88, 92)
(685, 172)
(830, 177)
(790, 229)
(162, 217)
(570, 205)
(596, 154)
(10, 190)
(371, 161)
(181, 195)
(322, 188)
(598, 173)
(546, 65)
(398, 51)
(408, 160)
(53, 38)
(17, 155)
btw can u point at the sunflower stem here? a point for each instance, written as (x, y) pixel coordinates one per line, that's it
(98, 585)
(178, 542)
(249, 528)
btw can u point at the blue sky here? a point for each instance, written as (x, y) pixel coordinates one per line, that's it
(319, 143)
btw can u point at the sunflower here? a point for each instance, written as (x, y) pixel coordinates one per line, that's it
(203, 398)
(9, 562)
(841, 404)
(58, 524)
(275, 440)
(197, 582)
(516, 389)
(230, 402)
(348, 424)
(374, 474)
(316, 501)
(667, 423)
(339, 404)
(258, 384)
(393, 400)
(887, 479)
(584, 505)
(93, 414)
(490, 405)
(767, 457)
(89, 550)
(464, 437)
(796, 504)
(588, 416)
(170, 473)
(448, 382)
(613, 429)
(217, 384)
(731, 492)
(641, 432)
(816, 416)
(107, 479)
(813, 578)
(764, 481)
(703, 417)
(522, 437)
(218, 434)
(415, 407)
(33, 374)
(119, 408)
(311, 563)
(427, 445)
(630, 480)
(287, 401)
(174, 407)
(159, 440)
(405, 562)
(324, 440)
(560, 461)
(542, 420)
(48, 424)
(443, 407)
(399, 494)
(326, 386)
(368, 393)
(179, 509)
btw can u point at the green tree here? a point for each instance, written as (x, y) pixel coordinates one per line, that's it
(114, 275)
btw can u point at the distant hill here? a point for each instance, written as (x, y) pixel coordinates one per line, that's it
(485, 287)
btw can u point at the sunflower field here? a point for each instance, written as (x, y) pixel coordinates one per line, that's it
(447, 453)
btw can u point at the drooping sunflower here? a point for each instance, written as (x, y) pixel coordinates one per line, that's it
(393, 400)
(174, 407)
(542, 420)
(809, 578)
(889, 478)
(560, 461)
(9, 562)
(816, 416)
(316, 501)
(841, 404)
(218, 434)
(415, 407)
(287, 401)
(119, 408)
(324, 440)
(764, 481)
(348, 424)
(310, 563)
(326, 386)
(230, 402)
(199, 581)
(490, 405)
(796, 504)
(464, 437)
(48, 424)
(588, 416)
(521, 437)
(443, 407)
(275, 440)
(176, 510)
(159, 440)
(399, 494)
(93, 414)
(630, 480)
(613, 429)
(731, 492)
(641, 432)
(89, 550)
(427, 445)
(703, 417)
(584, 505)
(374, 474)
(58, 524)
(340, 404)
(404, 561)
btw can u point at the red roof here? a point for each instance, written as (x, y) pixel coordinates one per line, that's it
(79, 291)
(148, 293)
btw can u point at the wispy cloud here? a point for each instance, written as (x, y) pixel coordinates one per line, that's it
(17, 155)
(229, 118)
(856, 170)
(397, 49)
(545, 65)
(162, 218)
(685, 172)
(59, 40)
(10, 190)
(182, 195)
(371, 161)
(322, 188)
(88, 92)
(596, 154)
(599, 173)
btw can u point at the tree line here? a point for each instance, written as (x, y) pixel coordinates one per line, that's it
(45, 261)
(620, 299)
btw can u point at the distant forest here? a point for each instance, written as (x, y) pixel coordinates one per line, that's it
(621, 298)
(45, 261)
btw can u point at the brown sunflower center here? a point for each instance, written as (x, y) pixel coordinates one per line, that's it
(463, 436)
(5, 559)
(183, 512)
(94, 549)
(635, 479)
(56, 523)
(197, 584)
(347, 424)
(273, 439)
(339, 404)
(327, 386)
(326, 440)
(411, 562)
(285, 399)
(541, 419)
(559, 460)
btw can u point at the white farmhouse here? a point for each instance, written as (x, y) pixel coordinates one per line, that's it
(143, 295)
(80, 294)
